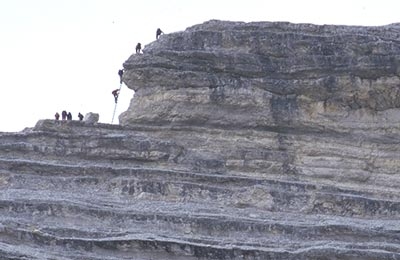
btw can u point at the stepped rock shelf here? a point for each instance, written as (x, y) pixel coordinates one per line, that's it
(243, 141)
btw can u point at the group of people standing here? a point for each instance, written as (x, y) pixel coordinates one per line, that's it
(67, 116)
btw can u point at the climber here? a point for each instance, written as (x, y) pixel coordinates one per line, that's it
(115, 93)
(69, 116)
(120, 73)
(64, 115)
(80, 116)
(138, 47)
(57, 116)
(158, 33)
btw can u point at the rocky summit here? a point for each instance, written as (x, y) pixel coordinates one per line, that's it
(264, 140)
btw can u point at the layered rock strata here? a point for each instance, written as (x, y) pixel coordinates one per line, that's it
(243, 141)
(268, 75)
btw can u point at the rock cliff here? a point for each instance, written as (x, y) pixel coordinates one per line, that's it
(243, 141)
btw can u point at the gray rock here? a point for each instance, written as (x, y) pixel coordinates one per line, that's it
(91, 118)
(243, 141)
(263, 75)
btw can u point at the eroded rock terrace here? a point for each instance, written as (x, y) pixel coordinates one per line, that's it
(243, 141)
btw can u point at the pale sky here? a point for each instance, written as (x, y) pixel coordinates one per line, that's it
(65, 54)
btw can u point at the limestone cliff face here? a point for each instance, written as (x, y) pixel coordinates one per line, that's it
(263, 75)
(243, 141)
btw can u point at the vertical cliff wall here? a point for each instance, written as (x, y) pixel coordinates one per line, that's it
(268, 75)
(243, 141)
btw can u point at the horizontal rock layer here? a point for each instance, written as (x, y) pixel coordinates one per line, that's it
(229, 151)
(264, 75)
(76, 191)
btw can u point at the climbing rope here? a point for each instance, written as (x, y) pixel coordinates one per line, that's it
(116, 103)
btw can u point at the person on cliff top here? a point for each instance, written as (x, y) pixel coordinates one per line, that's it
(138, 47)
(115, 94)
(80, 116)
(120, 73)
(69, 116)
(64, 115)
(57, 116)
(158, 33)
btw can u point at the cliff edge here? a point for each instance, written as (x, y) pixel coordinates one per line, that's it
(263, 75)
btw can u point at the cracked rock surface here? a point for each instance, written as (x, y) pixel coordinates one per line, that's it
(243, 141)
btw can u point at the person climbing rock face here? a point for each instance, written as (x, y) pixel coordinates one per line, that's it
(120, 73)
(158, 33)
(138, 47)
(115, 94)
